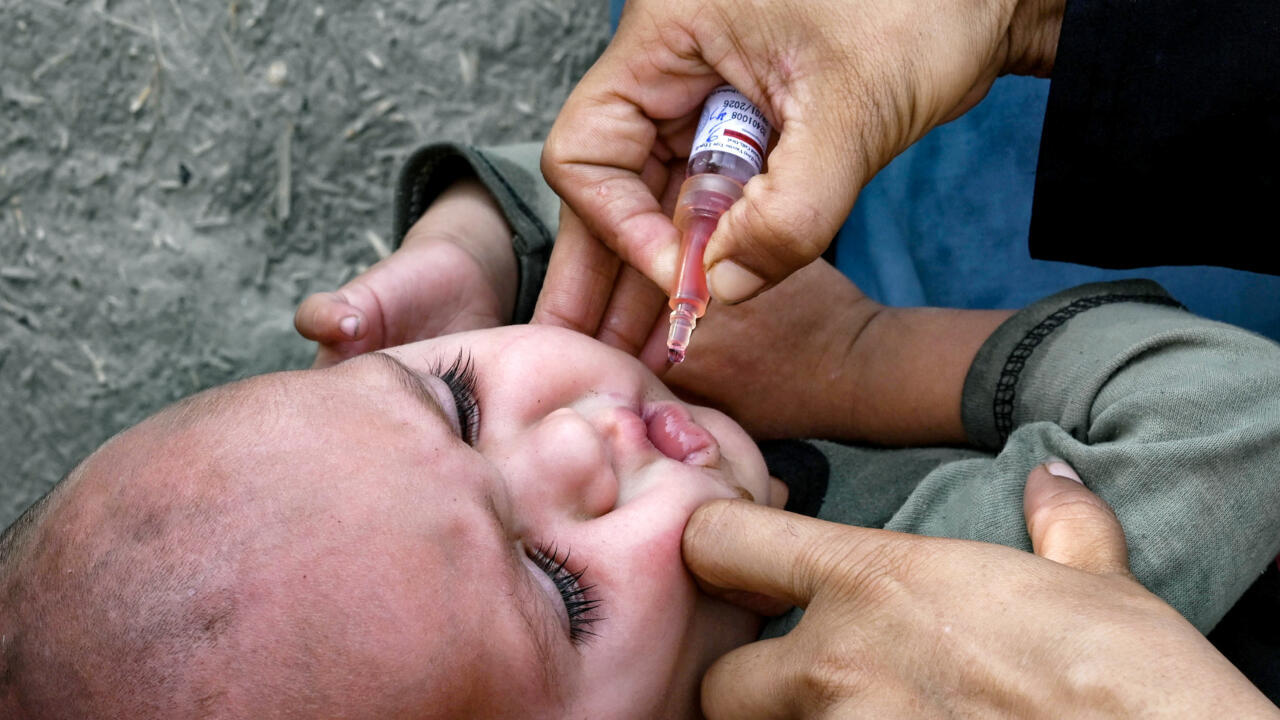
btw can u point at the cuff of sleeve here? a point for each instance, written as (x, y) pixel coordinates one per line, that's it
(1027, 345)
(517, 190)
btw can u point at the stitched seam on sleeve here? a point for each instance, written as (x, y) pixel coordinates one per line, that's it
(416, 208)
(419, 184)
(1016, 361)
(515, 198)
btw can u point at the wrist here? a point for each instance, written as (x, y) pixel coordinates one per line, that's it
(908, 371)
(466, 216)
(1033, 37)
(840, 410)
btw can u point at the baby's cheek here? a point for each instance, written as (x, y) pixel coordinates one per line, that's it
(652, 541)
(645, 552)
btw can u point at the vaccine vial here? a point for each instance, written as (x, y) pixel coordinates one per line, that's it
(728, 150)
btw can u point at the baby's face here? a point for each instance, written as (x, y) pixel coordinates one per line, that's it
(513, 542)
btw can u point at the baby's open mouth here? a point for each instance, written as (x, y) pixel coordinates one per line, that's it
(673, 432)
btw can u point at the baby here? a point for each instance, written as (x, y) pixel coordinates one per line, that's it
(488, 523)
(483, 525)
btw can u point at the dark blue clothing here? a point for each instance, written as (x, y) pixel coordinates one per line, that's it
(946, 224)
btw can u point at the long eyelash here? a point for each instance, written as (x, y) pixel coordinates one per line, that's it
(461, 379)
(578, 600)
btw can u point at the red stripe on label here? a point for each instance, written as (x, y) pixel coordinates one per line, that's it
(746, 139)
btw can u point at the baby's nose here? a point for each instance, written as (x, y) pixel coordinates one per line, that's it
(565, 465)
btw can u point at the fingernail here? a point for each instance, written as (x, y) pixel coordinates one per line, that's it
(1061, 469)
(731, 283)
(349, 325)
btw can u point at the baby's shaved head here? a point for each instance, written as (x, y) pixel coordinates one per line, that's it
(347, 543)
(206, 563)
(119, 586)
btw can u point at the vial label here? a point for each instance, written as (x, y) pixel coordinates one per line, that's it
(730, 123)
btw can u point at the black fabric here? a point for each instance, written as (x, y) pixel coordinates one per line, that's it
(803, 468)
(426, 174)
(1250, 636)
(1160, 138)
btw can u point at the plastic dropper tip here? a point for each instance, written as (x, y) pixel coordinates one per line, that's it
(675, 356)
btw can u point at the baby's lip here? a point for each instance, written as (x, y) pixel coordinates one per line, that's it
(671, 429)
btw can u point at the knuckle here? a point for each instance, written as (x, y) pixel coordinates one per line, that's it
(867, 572)
(833, 673)
(555, 312)
(553, 153)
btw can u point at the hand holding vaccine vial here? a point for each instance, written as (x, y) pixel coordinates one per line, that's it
(727, 151)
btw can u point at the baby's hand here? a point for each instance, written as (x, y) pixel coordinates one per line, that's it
(454, 271)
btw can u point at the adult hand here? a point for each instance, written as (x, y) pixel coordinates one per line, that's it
(821, 359)
(454, 271)
(848, 85)
(629, 312)
(908, 626)
(793, 346)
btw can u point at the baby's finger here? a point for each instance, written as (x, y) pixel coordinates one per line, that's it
(328, 318)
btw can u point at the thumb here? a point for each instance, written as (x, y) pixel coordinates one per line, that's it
(328, 318)
(785, 219)
(1069, 524)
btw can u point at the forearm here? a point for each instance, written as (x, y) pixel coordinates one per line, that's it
(466, 215)
(1033, 37)
(510, 177)
(905, 371)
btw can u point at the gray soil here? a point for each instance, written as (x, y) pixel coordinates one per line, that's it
(175, 177)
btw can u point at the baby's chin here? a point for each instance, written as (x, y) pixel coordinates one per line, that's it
(778, 492)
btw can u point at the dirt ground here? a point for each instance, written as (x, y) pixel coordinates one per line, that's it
(175, 177)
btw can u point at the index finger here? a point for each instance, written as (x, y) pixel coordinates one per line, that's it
(732, 545)
(579, 279)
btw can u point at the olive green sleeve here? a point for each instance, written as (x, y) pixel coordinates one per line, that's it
(1172, 419)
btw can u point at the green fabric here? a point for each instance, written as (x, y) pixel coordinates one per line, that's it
(1171, 418)
(511, 174)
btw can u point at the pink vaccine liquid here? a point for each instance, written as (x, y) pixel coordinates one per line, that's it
(727, 152)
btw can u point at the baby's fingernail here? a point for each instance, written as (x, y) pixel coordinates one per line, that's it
(731, 283)
(349, 325)
(1061, 469)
